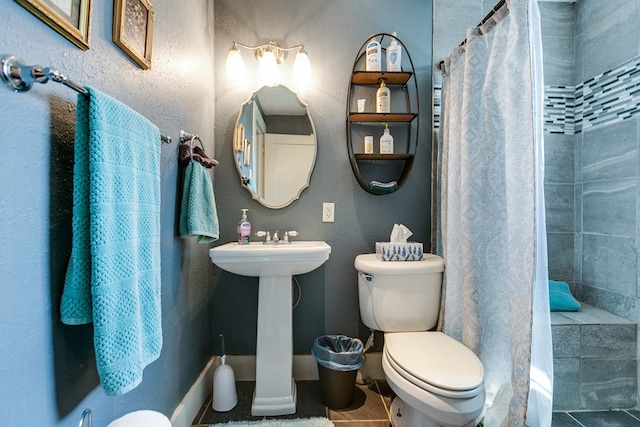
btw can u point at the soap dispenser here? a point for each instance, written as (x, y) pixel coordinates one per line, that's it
(244, 229)
(383, 98)
(386, 141)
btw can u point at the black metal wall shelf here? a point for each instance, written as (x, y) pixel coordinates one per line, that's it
(383, 168)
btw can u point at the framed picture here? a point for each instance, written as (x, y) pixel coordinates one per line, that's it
(70, 18)
(133, 22)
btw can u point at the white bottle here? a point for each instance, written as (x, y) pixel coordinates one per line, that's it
(368, 145)
(386, 141)
(394, 55)
(383, 99)
(244, 229)
(373, 56)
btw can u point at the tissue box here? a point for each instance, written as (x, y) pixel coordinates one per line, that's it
(410, 251)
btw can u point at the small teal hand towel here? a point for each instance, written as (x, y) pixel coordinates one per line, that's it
(198, 214)
(560, 298)
(113, 277)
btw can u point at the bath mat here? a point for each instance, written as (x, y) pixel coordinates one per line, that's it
(295, 422)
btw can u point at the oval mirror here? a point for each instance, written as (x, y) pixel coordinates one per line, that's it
(274, 146)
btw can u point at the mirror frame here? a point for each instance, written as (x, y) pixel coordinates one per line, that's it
(238, 137)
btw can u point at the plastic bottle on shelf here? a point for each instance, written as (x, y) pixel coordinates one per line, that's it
(368, 145)
(383, 98)
(373, 56)
(386, 141)
(394, 55)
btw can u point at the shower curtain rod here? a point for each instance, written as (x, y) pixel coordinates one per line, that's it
(492, 12)
(20, 77)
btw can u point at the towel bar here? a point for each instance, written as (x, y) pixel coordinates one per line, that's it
(20, 77)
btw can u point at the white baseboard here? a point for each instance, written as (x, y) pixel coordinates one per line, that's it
(187, 410)
(305, 368)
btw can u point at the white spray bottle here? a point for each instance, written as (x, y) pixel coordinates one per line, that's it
(394, 55)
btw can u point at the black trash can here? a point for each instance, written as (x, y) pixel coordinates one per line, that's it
(339, 357)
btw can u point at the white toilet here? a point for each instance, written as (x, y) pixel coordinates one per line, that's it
(144, 418)
(437, 380)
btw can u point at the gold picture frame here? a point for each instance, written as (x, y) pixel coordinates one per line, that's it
(70, 18)
(133, 22)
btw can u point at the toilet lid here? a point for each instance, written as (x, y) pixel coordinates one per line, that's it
(435, 359)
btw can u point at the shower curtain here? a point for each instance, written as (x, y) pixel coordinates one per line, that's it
(490, 225)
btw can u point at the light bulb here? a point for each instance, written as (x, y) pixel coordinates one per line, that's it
(268, 68)
(235, 64)
(302, 69)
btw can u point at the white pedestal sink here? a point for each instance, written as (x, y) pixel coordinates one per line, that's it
(275, 392)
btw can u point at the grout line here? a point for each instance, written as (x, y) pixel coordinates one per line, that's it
(571, 416)
(384, 404)
(631, 415)
(203, 410)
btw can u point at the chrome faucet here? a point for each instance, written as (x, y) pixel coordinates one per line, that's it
(288, 234)
(266, 235)
(275, 240)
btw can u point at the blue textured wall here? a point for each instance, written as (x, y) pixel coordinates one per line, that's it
(47, 370)
(332, 32)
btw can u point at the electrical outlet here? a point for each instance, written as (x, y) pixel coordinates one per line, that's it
(328, 210)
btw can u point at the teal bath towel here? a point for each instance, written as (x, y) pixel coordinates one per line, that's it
(113, 277)
(560, 298)
(198, 214)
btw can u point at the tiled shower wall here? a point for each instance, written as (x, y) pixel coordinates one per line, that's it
(592, 62)
(558, 35)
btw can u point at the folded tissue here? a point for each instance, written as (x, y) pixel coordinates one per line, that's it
(398, 249)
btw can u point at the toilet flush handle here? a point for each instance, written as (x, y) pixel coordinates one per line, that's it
(367, 277)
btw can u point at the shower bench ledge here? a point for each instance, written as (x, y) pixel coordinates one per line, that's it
(594, 357)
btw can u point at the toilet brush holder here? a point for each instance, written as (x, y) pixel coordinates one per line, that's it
(225, 397)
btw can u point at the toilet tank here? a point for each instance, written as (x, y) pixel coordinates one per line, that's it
(399, 296)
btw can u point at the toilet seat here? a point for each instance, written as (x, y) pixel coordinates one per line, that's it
(435, 362)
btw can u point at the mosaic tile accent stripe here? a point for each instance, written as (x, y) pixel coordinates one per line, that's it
(437, 106)
(559, 105)
(607, 98)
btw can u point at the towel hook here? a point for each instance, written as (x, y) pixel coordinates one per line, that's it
(185, 136)
(86, 414)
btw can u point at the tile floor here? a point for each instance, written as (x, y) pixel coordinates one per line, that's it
(628, 418)
(370, 408)
(371, 400)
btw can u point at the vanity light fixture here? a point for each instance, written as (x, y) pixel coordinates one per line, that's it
(269, 56)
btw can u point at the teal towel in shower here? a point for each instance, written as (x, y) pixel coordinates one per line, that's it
(198, 214)
(113, 277)
(560, 298)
